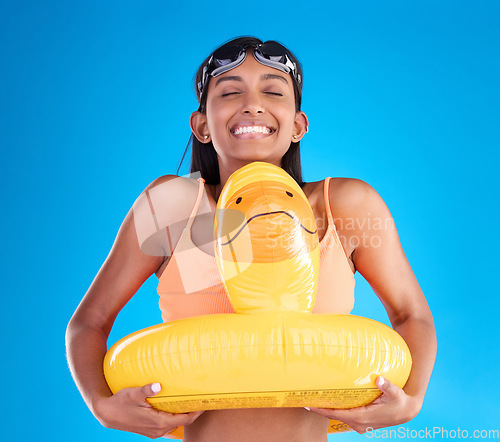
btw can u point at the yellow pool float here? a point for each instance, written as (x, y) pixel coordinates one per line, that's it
(273, 352)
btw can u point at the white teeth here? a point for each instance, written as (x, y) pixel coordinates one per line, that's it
(252, 129)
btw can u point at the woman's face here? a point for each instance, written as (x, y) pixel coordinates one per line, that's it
(250, 114)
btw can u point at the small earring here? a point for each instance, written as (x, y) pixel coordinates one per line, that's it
(295, 137)
(206, 137)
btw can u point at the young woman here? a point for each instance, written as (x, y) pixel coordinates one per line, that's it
(249, 94)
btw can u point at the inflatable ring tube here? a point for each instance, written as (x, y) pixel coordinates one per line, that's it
(273, 352)
(268, 360)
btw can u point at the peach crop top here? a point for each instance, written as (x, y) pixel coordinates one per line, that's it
(191, 285)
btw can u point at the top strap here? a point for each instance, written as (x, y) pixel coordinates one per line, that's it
(326, 193)
(201, 189)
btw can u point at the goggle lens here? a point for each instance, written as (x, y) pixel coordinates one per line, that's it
(228, 54)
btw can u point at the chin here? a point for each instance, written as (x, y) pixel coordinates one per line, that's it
(250, 154)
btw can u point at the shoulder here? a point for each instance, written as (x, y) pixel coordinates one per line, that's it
(344, 192)
(173, 183)
(351, 191)
(350, 197)
(170, 188)
(169, 197)
(167, 202)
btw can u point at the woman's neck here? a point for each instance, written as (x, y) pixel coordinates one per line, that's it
(215, 190)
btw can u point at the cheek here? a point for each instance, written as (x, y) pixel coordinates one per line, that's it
(286, 114)
(216, 121)
(219, 112)
(287, 122)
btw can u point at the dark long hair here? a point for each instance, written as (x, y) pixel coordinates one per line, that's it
(204, 156)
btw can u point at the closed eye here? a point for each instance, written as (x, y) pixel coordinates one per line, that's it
(229, 93)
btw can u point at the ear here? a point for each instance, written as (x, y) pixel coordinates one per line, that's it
(300, 126)
(199, 127)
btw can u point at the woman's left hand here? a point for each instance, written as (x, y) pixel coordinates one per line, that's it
(393, 407)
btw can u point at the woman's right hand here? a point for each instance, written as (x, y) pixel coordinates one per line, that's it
(128, 410)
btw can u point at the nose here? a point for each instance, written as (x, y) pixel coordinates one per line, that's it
(252, 105)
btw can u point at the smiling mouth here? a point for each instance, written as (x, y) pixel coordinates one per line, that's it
(243, 130)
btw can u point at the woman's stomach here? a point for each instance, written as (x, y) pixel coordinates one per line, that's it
(258, 425)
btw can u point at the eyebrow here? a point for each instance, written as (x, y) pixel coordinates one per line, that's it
(274, 76)
(263, 77)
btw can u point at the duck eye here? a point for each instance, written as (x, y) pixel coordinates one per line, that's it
(238, 200)
(289, 193)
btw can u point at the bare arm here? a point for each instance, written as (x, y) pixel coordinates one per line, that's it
(379, 257)
(122, 274)
(384, 265)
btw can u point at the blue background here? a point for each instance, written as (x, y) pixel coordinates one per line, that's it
(95, 104)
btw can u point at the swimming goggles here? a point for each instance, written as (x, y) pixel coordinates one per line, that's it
(270, 54)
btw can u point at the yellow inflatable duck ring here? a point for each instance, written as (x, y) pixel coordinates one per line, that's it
(273, 352)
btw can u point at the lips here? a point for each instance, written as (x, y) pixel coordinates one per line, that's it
(252, 130)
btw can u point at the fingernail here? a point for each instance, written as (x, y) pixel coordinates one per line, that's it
(381, 381)
(156, 388)
(307, 408)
